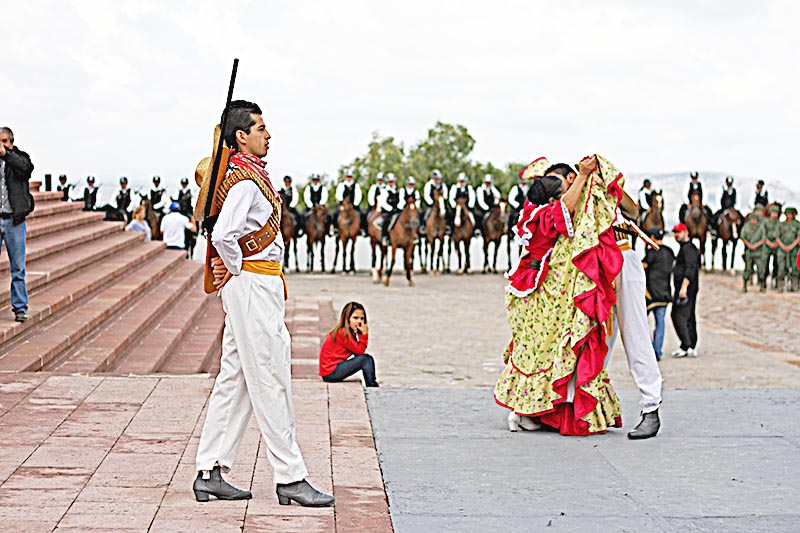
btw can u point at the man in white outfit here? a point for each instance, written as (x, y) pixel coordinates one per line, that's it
(630, 321)
(255, 369)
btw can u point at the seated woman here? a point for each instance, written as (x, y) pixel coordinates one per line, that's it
(343, 351)
(138, 224)
(558, 297)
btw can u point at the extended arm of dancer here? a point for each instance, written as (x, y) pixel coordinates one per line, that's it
(571, 197)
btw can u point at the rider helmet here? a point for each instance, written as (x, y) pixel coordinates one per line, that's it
(729, 180)
(184, 181)
(760, 183)
(314, 177)
(348, 173)
(487, 178)
(435, 174)
(462, 177)
(411, 181)
(390, 178)
(379, 176)
(646, 183)
(123, 180)
(156, 180)
(693, 175)
(90, 180)
(287, 179)
(62, 177)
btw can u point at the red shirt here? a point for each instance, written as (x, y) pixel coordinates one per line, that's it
(332, 353)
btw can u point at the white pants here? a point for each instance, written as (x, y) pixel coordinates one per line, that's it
(630, 319)
(255, 375)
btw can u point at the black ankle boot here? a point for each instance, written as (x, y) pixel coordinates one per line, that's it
(303, 493)
(648, 427)
(218, 487)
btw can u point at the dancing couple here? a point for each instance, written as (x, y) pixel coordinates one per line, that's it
(560, 302)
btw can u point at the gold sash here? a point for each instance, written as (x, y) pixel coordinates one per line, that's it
(267, 268)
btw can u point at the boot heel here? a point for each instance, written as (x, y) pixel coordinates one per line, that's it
(201, 496)
(283, 500)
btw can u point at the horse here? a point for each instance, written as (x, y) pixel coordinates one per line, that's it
(653, 217)
(376, 240)
(289, 233)
(463, 228)
(435, 230)
(316, 231)
(404, 235)
(493, 230)
(349, 225)
(697, 223)
(730, 225)
(151, 217)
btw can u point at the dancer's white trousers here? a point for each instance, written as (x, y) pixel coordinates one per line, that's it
(254, 375)
(630, 320)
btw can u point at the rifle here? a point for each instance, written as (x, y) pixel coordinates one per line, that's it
(209, 219)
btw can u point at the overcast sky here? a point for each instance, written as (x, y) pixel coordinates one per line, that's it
(134, 87)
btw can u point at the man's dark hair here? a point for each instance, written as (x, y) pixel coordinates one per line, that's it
(542, 189)
(239, 118)
(562, 169)
(7, 131)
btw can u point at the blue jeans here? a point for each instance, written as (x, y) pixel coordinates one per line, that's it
(365, 363)
(658, 333)
(14, 239)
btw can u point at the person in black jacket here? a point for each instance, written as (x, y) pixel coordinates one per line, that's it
(16, 202)
(658, 269)
(685, 277)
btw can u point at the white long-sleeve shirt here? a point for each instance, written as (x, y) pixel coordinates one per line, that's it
(307, 194)
(374, 193)
(643, 203)
(454, 191)
(295, 196)
(244, 211)
(383, 199)
(482, 201)
(427, 192)
(356, 193)
(517, 196)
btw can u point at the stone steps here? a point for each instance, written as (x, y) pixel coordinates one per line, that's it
(51, 208)
(43, 226)
(99, 352)
(200, 348)
(45, 343)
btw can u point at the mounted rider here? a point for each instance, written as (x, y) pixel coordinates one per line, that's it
(375, 189)
(433, 184)
(351, 190)
(158, 197)
(645, 199)
(727, 201)
(762, 196)
(314, 194)
(291, 197)
(696, 187)
(389, 202)
(460, 190)
(516, 199)
(123, 200)
(488, 196)
(89, 195)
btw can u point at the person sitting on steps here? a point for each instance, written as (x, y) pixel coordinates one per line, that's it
(344, 351)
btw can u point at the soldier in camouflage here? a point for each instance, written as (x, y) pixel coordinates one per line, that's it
(772, 229)
(753, 238)
(788, 245)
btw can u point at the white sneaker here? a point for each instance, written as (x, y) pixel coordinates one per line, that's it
(692, 352)
(680, 353)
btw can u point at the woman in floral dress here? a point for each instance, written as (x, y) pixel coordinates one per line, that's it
(558, 298)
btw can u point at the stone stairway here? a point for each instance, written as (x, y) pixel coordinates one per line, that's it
(103, 300)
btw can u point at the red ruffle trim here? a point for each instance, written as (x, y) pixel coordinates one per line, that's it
(525, 279)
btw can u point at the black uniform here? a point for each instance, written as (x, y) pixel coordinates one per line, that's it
(186, 208)
(89, 198)
(65, 190)
(762, 197)
(123, 201)
(393, 200)
(687, 266)
(156, 195)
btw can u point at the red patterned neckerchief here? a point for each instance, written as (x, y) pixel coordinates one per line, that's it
(255, 164)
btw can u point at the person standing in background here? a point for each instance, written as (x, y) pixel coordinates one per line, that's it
(16, 203)
(789, 243)
(752, 237)
(658, 270)
(686, 277)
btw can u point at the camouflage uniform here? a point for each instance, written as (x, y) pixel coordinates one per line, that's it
(772, 230)
(753, 259)
(789, 231)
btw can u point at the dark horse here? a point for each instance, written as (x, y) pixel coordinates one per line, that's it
(289, 233)
(653, 217)
(348, 224)
(493, 230)
(463, 229)
(152, 218)
(435, 230)
(316, 230)
(376, 241)
(697, 223)
(404, 235)
(730, 225)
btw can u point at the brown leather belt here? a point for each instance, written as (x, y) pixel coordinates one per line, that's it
(257, 241)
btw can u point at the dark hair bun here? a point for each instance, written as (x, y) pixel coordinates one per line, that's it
(542, 189)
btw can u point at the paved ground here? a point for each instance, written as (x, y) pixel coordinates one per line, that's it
(726, 460)
(105, 453)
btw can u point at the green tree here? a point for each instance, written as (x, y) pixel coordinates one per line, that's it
(384, 155)
(446, 148)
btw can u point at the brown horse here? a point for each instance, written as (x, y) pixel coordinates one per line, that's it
(404, 235)
(348, 224)
(289, 233)
(653, 217)
(376, 241)
(697, 224)
(730, 225)
(493, 230)
(463, 228)
(151, 218)
(316, 231)
(435, 231)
